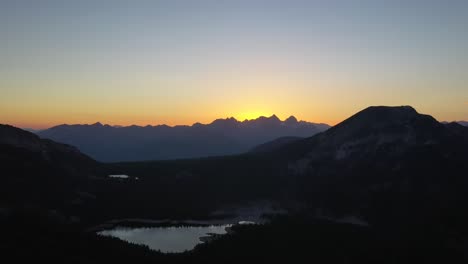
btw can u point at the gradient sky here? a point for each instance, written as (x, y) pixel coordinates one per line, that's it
(178, 62)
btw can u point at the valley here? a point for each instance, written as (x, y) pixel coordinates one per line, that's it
(387, 175)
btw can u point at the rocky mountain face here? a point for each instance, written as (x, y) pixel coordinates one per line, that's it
(384, 164)
(221, 137)
(383, 161)
(42, 173)
(399, 175)
(46, 151)
(374, 129)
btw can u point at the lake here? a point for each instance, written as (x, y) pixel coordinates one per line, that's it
(166, 239)
(119, 176)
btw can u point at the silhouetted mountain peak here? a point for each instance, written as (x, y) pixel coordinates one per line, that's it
(71, 126)
(97, 124)
(385, 113)
(220, 137)
(274, 117)
(291, 120)
(45, 148)
(376, 129)
(263, 120)
(379, 118)
(227, 121)
(16, 137)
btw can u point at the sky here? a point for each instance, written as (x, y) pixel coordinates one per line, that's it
(181, 62)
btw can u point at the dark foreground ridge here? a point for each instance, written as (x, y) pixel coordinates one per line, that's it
(400, 174)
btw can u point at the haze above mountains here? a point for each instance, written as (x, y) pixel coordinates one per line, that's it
(221, 137)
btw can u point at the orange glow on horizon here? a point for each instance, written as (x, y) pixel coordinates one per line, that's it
(44, 122)
(40, 115)
(251, 115)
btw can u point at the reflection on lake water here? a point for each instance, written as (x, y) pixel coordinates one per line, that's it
(166, 239)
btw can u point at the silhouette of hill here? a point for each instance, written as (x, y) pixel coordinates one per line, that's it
(367, 131)
(389, 155)
(32, 130)
(45, 151)
(345, 169)
(401, 173)
(40, 172)
(221, 137)
(382, 163)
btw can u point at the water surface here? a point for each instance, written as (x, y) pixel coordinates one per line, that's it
(166, 239)
(119, 176)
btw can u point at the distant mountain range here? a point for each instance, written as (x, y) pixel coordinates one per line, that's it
(463, 123)
(383, 164)
(135, 143)
(401, 173)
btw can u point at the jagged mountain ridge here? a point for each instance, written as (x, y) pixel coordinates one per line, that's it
(383, 162)
(221, 137)
(372, 128)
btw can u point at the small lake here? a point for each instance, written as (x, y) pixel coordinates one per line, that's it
(119, 176)
(166, 239)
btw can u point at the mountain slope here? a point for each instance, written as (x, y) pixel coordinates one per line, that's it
(65, 157)
(385, 164)
(382, 164)
(402, 174)
(221, 137)
(42, 173)
(371, 129)
(273, 145)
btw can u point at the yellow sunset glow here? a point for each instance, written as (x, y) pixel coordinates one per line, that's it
(251, 115)
(191, 65)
